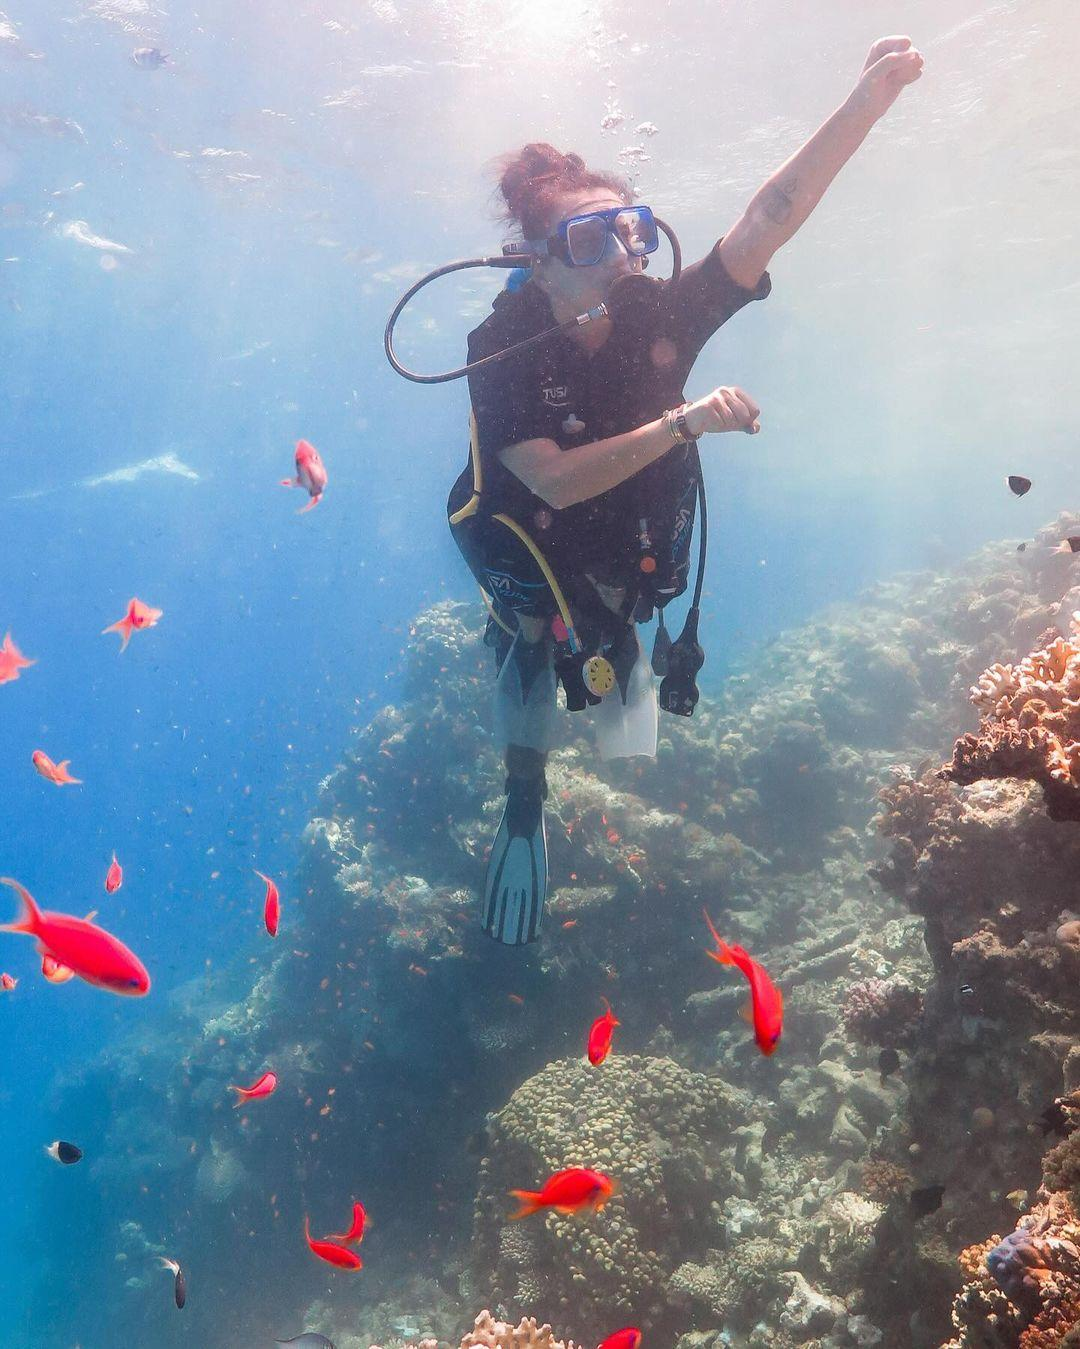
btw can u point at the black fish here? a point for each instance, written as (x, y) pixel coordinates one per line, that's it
(1018, 485)
(1054, 1120)
(888, 1062)
(1021, 547)
(927, 1200)
(310, 1339)
(67, 1153)
(179, 1282)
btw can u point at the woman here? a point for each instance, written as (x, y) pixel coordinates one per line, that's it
(587, 452)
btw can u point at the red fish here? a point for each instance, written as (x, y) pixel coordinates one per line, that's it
(53, 971)
(310, 474)
(568, 1191)
(271, 905)
(115, 877)
(356, 1227)
(767, 1006)
(139, 615)
(53, 772)
(600, 1035)
(623, 1339)
(7, 982)
(12, 660)
(92, 953)
(265, 1085)
(333, 1255)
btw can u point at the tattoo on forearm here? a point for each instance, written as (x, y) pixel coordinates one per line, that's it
(776, 200)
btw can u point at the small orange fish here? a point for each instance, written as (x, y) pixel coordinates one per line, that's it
(310, 474)
(767, 1005)
(570, 922)
(53, 772)
(271, 905)
(264, 1087)
(139, 615)
(516, 998)
(600, 1033)
(12, 660)
(630, 1338)
(569, 1191)
(114, 878)
(356, 1227)
(333, 1255)
(53, 971)
(7, 982)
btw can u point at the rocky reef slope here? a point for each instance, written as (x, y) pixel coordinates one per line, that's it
(764, 1201)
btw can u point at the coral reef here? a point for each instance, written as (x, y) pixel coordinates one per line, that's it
(1030, 725)
(764, 1201)
(881, 1011)
(661, 1132)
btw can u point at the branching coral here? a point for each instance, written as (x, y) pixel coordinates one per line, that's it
(1030, 724)
(487, 1333)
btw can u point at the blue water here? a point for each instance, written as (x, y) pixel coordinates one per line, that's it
(249, 313)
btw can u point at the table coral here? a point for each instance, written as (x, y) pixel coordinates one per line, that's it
(1030, 724)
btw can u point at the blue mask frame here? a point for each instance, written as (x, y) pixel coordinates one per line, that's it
(579, 244)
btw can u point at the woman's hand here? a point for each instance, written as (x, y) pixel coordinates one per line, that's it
(725, 409)
(892, 63)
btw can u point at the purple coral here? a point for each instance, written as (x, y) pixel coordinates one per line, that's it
(1020, 1263)
(881, 1011)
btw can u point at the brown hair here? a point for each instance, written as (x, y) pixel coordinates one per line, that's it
(531, 180)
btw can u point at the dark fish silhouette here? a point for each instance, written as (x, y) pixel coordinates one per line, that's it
(927, 1200)
(310, 1339)
(67, 1153)
(1054, 1120)
(888, 1062)
(1018, 485)
(179, 1282)
(1021, 547)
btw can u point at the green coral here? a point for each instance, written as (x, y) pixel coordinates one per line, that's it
(651, 1125)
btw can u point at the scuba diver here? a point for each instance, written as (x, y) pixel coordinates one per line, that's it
(576, 509)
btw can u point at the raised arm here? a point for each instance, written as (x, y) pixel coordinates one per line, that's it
(783, 202)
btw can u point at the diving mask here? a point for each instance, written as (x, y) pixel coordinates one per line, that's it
(584, 240)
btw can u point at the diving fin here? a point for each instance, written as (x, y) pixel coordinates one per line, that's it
(515, 886)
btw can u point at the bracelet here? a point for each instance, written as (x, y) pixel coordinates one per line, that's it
(675, 421)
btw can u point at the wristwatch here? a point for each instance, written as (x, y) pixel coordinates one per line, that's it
(681, 426)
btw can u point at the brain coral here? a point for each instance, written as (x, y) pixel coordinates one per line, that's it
(651, 1125)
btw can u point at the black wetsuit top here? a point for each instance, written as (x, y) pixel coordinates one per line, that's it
(558, 390)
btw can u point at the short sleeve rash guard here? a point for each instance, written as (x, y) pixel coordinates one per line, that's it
(558, 391)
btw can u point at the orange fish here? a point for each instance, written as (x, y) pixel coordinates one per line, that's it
(139, 615)
(767, 1006)
(569, 1191)
(600, 1035)
(623, 1339)
(115, 876)
(356, 1228)
(92, 953)
(12, 660)
(265, 1085)
(310, 474)
(333, 1255)
(7, 982)
(53, 772)
(271, 905)
(53, 971)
